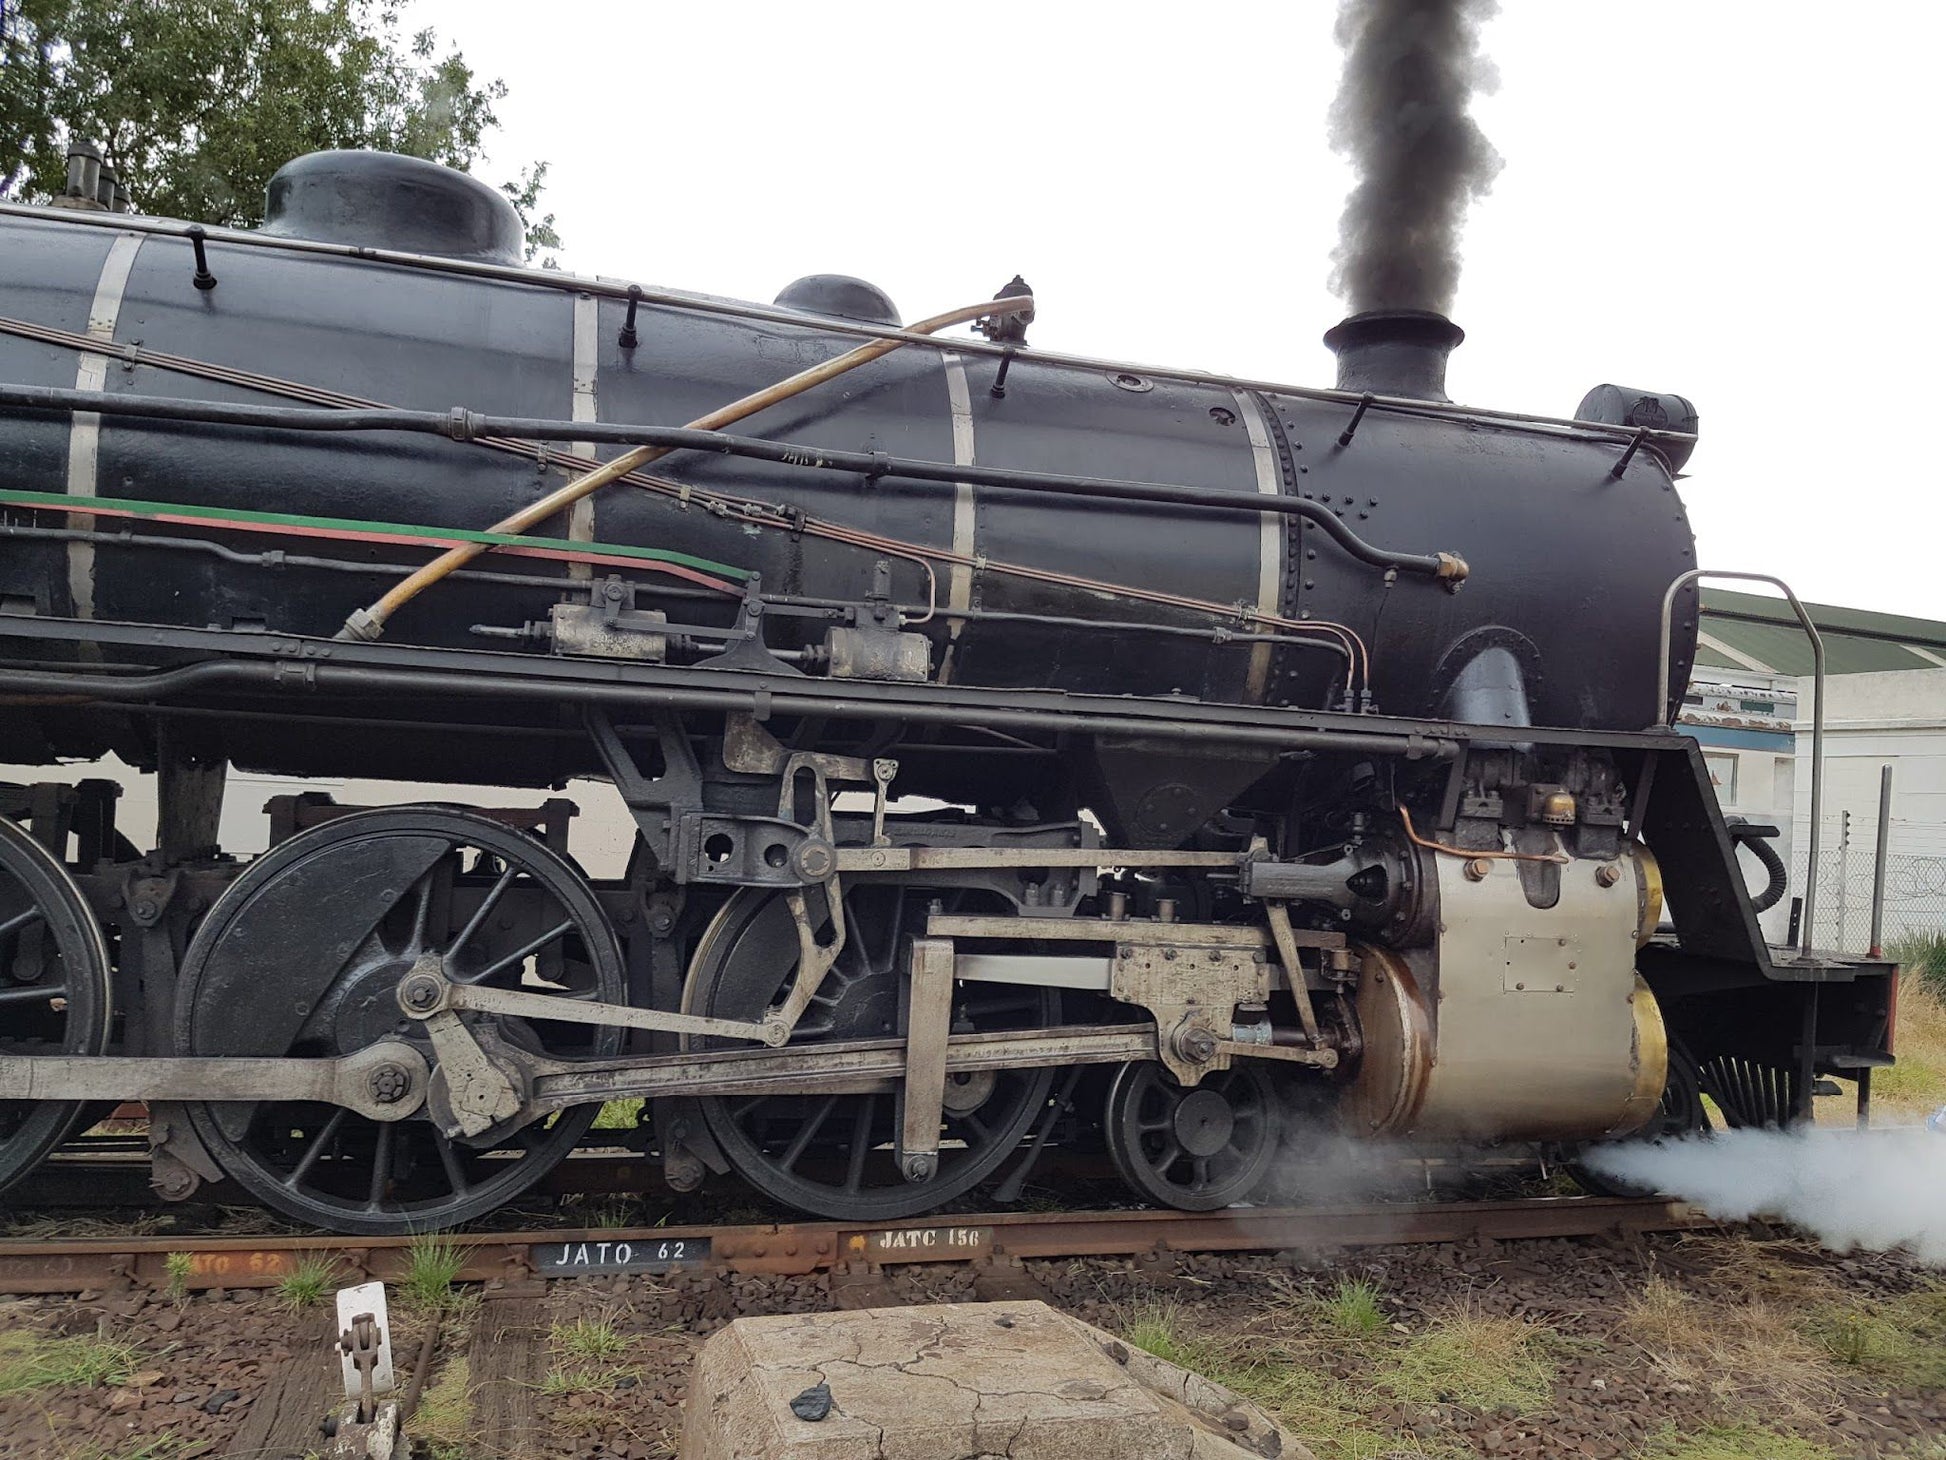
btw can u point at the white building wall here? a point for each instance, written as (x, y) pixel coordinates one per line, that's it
(1896, 718)
(599, 838)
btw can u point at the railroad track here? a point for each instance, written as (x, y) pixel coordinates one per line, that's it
(520, 1260)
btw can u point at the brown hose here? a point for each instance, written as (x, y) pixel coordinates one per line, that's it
(369, 623)
(1405, 816)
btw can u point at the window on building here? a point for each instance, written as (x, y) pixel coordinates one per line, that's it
(1723, 774)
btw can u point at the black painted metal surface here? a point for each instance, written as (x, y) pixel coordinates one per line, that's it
(1566, 560)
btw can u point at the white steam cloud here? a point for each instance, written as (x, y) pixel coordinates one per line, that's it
(1875, 1189)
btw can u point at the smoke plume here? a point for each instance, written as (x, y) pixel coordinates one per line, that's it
(1400, 116)
(1874, 1189)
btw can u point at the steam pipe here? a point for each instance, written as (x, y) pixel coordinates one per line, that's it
(460, 424)
(310, 677)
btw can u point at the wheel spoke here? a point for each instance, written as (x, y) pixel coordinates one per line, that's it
(419, 913)
(521, 955)
(381, 1166)
(898, 927)
(861, 1143)
(1199, 1167)
(20, 920)
(485, 909)
(1171, 1152)
(316, 1148)
(32, 993)
(812, 1125)
(449, 1158)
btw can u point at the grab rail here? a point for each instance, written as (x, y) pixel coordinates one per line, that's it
(1665, 714)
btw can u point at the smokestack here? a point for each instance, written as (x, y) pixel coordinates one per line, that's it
(1394, 352)
(1411, 67)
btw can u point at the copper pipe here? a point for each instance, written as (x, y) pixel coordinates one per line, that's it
(369, 623)
(1405, 817)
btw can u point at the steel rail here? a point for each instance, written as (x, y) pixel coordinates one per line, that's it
(803, 1248)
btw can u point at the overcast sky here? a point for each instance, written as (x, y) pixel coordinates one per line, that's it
(1733, 201)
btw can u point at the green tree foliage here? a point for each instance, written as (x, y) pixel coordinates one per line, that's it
(195, 103)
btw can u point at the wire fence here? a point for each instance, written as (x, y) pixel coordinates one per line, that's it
(1915, 895)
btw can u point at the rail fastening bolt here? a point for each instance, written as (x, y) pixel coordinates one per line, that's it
(388, 1084)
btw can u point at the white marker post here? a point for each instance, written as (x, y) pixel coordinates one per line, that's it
(367, 1300)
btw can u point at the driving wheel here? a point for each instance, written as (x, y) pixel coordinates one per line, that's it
(54, 990)
(302, 956)
(833, 1154)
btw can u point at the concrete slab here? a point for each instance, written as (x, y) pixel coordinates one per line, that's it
(957, 1381)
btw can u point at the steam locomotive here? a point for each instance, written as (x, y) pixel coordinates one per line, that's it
(1022, 750)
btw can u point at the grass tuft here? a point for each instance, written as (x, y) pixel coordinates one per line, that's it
(1897, 1343)
(1923, 957)
(1475, 1361)
(1734, 1442)
(432, 1263)
(444, 1418)
(305, 1285)
(583, 1357)
(30, 1361)
(1753, 1356)
(177, 1267)
(621, 1115)
(588, 1340)
(1353, 1308)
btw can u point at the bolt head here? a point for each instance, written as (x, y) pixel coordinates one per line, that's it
(1197, 1045)
(918, 1168)
(815, 860)
(388, 1084)
(419, 993)
(1607, 875)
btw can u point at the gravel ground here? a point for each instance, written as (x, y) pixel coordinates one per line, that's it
(1693, 1348)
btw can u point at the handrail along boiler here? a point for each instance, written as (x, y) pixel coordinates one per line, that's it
(1022, 750)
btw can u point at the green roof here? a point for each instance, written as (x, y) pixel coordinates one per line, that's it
(1764, 632)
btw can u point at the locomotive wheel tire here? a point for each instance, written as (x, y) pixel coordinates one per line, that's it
(475, 1180)
(1223, 1131)
(36, 891)
(747, 953)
